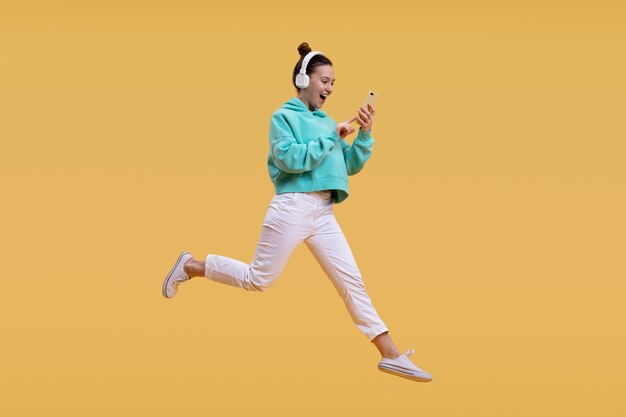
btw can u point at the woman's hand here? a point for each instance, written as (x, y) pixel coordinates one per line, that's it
(366, 117)
(344, 129)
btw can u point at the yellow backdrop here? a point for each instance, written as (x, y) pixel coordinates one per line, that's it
(489, 224)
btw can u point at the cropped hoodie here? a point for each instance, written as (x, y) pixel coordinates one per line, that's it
(306, 154)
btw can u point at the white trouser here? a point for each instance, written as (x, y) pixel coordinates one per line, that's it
(291, 219)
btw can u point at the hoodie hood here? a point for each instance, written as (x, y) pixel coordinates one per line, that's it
(295, 104)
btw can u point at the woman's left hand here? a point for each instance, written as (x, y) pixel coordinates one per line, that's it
(366, 117)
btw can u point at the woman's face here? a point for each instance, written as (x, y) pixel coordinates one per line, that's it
(320, 87)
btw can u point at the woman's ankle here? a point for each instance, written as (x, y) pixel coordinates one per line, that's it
(194, 268)
(385, 346)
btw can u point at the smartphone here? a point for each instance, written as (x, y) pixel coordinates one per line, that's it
(370, 99)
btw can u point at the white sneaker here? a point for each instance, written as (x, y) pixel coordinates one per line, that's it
(403, 367)
(176, 276)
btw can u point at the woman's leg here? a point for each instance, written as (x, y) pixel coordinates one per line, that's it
(334, 255)
(330, 247)
(283, 229)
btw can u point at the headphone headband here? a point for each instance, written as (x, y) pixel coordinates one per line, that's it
(306, 60)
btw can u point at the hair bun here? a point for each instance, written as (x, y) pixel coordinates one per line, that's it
(304, 49)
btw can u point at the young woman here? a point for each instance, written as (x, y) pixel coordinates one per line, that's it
(309, 163)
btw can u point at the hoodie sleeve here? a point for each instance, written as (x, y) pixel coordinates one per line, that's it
(357, 154)
(293, 157)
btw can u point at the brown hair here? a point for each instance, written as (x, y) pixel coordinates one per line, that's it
(314, 62)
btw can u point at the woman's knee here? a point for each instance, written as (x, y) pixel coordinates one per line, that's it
(261, 283)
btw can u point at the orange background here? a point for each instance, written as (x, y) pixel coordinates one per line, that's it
(489, 223)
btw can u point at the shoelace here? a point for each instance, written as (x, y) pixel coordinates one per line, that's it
(406, 358)
(181, 278)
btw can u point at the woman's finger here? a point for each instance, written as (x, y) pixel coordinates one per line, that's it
(367, 112)
(346, 131)
(366, 123)
(364, 116)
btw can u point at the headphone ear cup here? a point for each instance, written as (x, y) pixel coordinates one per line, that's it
(302, 81)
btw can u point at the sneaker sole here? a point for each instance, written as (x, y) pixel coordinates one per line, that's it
(167, 279)
(404, 375)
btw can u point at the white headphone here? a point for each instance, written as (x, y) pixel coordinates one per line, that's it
(302, 80)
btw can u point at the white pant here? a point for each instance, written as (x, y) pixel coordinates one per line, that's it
(291, 219)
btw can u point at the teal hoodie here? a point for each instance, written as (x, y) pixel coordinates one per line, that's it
(306, 154)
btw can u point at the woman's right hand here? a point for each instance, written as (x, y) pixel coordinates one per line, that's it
(344, 129)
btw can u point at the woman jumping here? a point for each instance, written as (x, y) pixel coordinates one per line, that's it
(309, 163)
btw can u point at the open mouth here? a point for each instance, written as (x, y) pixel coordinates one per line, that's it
(323, 97)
